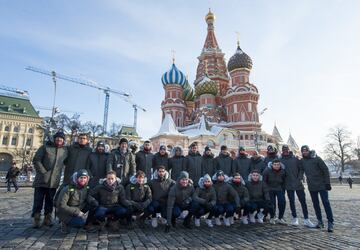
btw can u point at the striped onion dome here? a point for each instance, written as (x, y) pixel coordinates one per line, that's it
(189, 94)
(173, 76)
(206, 86)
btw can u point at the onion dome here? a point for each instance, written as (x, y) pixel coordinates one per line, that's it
(206, 86)
(210, 16)
(188, 92)
(173, 76)
(239, 60)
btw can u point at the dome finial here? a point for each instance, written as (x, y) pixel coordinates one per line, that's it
(238, 38)
(173, 55)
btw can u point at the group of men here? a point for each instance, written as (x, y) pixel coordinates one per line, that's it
(102, 189)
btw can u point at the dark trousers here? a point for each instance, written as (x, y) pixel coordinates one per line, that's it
(77, 222)
(199, 210)
(301, 197)
(221, 209)
(14, 182)
(116, 212)
(324, 195)
(42, 194)
(253, 206)
(154, 208)
(179, 208)
(280, 196)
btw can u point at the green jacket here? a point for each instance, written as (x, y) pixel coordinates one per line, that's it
(49, 163)
(242, 192)
(123, 164)
(242, 165)
(140, 194)
(225, 163)
(317, 173)
(204, 195)
(258, 191)
(294, 175)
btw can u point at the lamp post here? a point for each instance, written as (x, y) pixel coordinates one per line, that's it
(256, 141)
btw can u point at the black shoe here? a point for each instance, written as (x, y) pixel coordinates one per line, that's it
(320, 224)
(330, 228)
(16, 189)
(187, 222)
(173, 222)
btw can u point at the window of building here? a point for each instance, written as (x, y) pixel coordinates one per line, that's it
(28, 142)
(235, 108)
(16, 129)
(30, 130)
(242, 117)
(246, 137)
(249, 107)
(14, 141)
(241, 137)
(7, 128)
(5, 140)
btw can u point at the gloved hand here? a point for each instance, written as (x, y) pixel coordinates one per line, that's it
(167, 228)
(328, 187)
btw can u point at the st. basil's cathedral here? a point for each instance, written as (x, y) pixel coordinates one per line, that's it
(221, 109)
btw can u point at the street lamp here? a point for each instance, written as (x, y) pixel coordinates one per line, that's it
(256, 141)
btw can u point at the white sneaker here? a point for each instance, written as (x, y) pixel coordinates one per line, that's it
(154, 222)
(217, 221)
(272, 221)
(231, 219)
(227, 222)
(295, 221)
(209, 223)
(162, 221)
(261, 221)
(281, 221)
(244, 220)
(308, 223)
(260, 216)
(252, 217)
(184, 214)
(197, 222)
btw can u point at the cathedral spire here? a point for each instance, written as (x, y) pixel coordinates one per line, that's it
(210, 41)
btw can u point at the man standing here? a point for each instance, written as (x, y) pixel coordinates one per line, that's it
(177, 163)
(350, 181)
(208, 162)
(242, 164)
(77, 158)
(48, 162)
(318, 180)
(257, 162)
(122, 161)
(11, 177)
(144, 160)
(272, 154)
(293, 184)
(224, 161)
(96, 164)
(193, 164)
(161, 158)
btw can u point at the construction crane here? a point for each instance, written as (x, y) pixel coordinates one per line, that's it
(58, 110)
(135, 107)
(20, 92)
(87, 83)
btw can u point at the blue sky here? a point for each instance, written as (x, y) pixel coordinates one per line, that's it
(306, 56)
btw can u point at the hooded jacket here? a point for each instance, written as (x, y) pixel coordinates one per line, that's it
(72, 200)
(242, 166)
(76, 160)
(96, 167)
(176, 165)
(208, 164)
(123, 164)
(225, 192)
(193, 167)
(204, 195)
(138, 193)
(144, 162)
(160, 160)
(224, 162)
(179, 195)
(258, 191)
(241, 190)
(160, 188)
(275, 180)
(293, 172)
(257, 164)
(107, 196)
(316, 171)
(49, 163)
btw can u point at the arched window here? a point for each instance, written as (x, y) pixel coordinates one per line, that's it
(7, 129)
(28, 142)
(246, 137)
(16, 129)
(13, 141)
(5, 140)
(30, 130)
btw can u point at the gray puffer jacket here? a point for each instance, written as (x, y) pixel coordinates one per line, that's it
(204, 195)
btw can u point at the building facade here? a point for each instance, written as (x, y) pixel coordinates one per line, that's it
(221, 108)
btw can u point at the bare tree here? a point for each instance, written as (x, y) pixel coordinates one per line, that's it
(357, 148)
(338, 148)
(69, 124)
(114, 129)
(25, 154)
(94, 129)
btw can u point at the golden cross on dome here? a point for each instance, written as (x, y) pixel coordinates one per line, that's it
(173, 55)
(238, 38)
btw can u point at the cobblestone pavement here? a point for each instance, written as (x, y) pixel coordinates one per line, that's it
(16, 231)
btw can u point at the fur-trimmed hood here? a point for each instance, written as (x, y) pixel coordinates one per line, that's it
(260, 178)
(202, 179)
(155, 175)
(270, 165)
(174, 150)
(103, 180)
(74, 179)
(230, 180)
(214, 178)
(133, 180)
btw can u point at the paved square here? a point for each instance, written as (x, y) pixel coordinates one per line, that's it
(16, 231)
